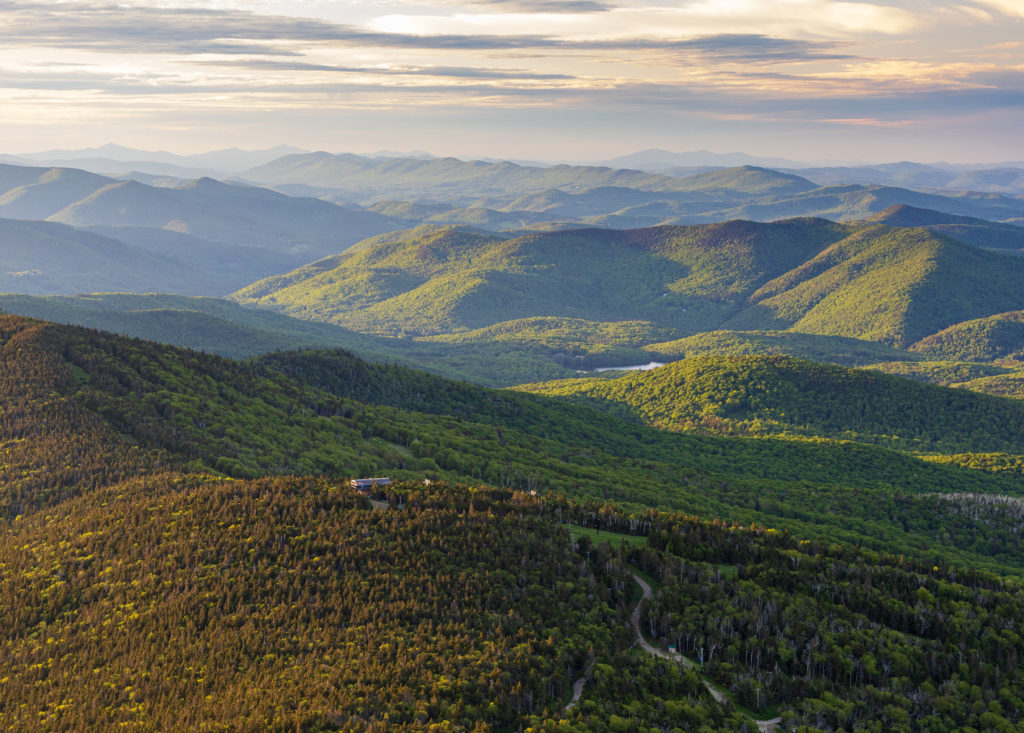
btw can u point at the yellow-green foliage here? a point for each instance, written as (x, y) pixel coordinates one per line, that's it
(175, 604)
(814, 347)
(984, 339)
(1003, 385)
(761, 395)
(945, 373)
(678, 277)
(891, 285)
(83, 410)
(866, 281)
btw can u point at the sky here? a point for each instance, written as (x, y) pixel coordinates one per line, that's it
(579, 80)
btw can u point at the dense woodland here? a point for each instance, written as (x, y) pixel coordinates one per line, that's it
(762, 395)
(837, 638)
(868, 281)
(134, 407)
(162, 567)
(811, 521)
(180, 601)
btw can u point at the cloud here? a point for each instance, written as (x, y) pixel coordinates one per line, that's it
(785, 18)
(1013, 8)
(456, 72)
(758, 48)
(198, 31)
(544, 6)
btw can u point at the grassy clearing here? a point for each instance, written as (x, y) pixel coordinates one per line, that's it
(728, 571)
(598, 536)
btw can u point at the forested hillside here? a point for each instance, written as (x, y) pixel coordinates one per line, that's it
(542, 350)
(871, 282)
(294, 605)
(161, 564)
(813, 347)
(761, 395)
(291, 603)
(105, 408)
(838, 639)
(997, 337)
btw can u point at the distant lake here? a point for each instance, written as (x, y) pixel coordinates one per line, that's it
(636, 368)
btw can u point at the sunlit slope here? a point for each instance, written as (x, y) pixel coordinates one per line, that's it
(290, 603)
(891, 285)
(761, 395)
(431, 280)
(1000, 336)
(871, 282)
(84, 410)
(945, 373)
(814, 347)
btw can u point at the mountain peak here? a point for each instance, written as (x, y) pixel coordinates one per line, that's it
(905, 215)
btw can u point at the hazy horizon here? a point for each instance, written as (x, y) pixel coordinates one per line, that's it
(83, 153)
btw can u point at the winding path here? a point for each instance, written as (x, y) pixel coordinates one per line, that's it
(577, 690)
(765, 726)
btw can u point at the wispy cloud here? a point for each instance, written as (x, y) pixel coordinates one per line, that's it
(784, 18)
(202, 30)
(760, 49)
(195, 31)
(1013, 8)
(455, 72)
(543, 6)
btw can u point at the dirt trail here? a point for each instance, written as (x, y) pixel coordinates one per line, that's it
(765, 726)
(577, 690)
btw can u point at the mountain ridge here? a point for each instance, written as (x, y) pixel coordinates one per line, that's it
(863, 280)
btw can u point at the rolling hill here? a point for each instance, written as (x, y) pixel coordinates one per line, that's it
(179, 548)
(99, 409)
(367, 179)
(608, 197)
(1003, 179)
(222, 327)
(234, 266)
(813, 347)
(45, 257)
(160, 569)
(967, 229)
(891, 285)
(230, 214)
(944, 373)
(775, 395)
(636, 209)
(872, 282)
(443, 280)
(996, 337)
